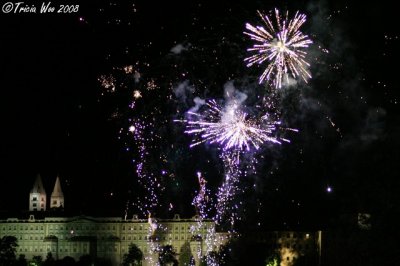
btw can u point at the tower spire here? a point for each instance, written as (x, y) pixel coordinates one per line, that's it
(37, 197)
(57, 196)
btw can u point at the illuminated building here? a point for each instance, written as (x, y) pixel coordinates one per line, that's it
(100, 237)
(109, 238)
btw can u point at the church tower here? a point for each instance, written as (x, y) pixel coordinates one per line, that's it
(57, 196)
(37, 197)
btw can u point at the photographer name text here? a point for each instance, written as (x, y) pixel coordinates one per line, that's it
(43, 8)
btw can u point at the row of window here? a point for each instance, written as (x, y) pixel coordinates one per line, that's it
(35, 199)
(22, 227)
(74, 228)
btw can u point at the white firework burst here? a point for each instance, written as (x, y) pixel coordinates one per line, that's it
(282, 46)
(229, 127)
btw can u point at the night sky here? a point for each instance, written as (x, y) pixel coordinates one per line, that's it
(57, 119)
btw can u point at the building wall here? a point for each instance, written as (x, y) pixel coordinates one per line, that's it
(100, 237)
(37, 201)
(56, 201)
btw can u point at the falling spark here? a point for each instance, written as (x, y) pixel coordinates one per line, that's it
(137, 94)
(281, 46)
(107, 82)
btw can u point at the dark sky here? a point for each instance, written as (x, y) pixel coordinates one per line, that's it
(55, 119)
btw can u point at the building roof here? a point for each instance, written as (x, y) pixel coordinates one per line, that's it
(57, 192)
(38, 186)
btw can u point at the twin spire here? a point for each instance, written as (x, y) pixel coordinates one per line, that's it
(37, 197)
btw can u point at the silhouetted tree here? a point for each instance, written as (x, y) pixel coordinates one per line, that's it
(167, 256)
(67, 261)
(245, 251)
(103, 262)
(134, 256)
(36, 261)
(185, 255)
(50, 261)
(8, 245)
(85, 260)
(22, 260)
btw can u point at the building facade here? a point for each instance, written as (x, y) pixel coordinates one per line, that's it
(106, 237)
(109, 237)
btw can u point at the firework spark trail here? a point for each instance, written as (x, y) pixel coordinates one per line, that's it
(201, 202)
(152, 241)
(282, 46)
(227, 207)
(148, 180)
(201, 199)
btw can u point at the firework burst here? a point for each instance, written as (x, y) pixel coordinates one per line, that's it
(282, 46)
(229, 127)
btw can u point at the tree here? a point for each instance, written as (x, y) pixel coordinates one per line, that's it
(50, 261)
(22, 260)
(245, 251)
(8, 246)
(36, 261)
(273, 260)
(134, 256)
(85, 260)
(185, 255)
(167, 256)
(67, 261)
